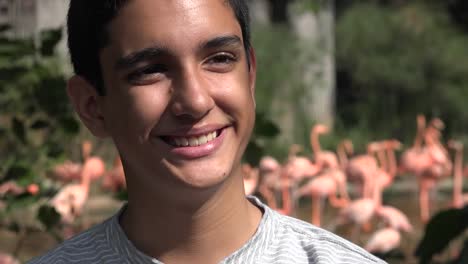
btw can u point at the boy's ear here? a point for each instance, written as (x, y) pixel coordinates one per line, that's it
(252, 72)
(86, 102)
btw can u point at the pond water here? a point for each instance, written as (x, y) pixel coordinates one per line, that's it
(403, 195)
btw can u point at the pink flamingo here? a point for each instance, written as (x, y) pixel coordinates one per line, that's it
(297, 167)
(440, 166)
(114, 179)
(293, 172)
(69, 202)
(414, 159)
(269, 171)
(385, 174)
(69, 171)
(394, 218)
(459, 200)
(8, 259)
(13, 188)
(383, 241)
(360, 211)
(327, 184)
(324, 159)
(361, 169)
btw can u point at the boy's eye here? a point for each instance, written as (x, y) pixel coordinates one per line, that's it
(222, 58)
(221, 62)
(147, 73)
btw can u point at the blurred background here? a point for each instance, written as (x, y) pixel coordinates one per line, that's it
(363, 68)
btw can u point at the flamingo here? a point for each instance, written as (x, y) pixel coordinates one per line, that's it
(69, 202)
(385, 174)
(360, 211)
(327, 184)
(269, 172)
(383, 241)
(70, 171)
(293, 172)
(361, 169)
(67, 171)
(324, 159)
(440, 166)
(394, 218)
(13, 188)
(8, 259)
(344, 149)
(459, 200)
(297, 167)
(413, 160)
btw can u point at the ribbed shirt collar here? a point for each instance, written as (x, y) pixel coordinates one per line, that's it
(254, 248)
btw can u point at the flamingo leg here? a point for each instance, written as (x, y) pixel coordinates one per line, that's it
(424, 201)
(316, 210)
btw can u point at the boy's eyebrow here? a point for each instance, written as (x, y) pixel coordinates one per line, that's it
(149, 53)
(222, 41)
(134, 58)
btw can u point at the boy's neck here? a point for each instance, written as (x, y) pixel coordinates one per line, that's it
(177, 233)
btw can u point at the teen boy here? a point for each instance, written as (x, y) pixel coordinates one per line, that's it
(172, 83)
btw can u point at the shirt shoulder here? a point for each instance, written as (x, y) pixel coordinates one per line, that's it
(301, 242)
(90, 246)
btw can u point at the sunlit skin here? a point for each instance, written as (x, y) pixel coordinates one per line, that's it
(177, 69)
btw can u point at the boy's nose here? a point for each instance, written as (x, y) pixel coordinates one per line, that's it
(191, 96)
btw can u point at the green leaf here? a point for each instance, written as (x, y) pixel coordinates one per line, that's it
(69, 125)
(40, 124)
(265, 127)
(253, 153)
(48, 216)
(18, 129)
(16, 171)
(21, 201)
(122, 195)
(49, 40)
(54, 150)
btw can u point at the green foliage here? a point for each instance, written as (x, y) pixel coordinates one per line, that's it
(36, 124)
(36, 118)
(275, 51)
(398, 61)
(48, 216)
(265, 130)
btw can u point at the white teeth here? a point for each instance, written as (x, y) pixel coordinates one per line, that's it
(193, 142)
(202, 140)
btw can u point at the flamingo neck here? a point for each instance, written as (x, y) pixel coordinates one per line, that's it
(342, 157)
(377, 195)
(286, 199)
(382, 160)
(315, 143)
(392, 163)
(421, 123)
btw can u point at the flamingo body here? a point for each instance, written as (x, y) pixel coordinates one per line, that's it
(383, 241)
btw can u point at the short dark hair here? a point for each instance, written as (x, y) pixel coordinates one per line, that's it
(86, 24)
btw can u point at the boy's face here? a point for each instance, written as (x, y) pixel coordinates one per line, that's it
(176, 73)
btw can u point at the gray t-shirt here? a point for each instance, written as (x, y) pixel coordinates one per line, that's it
(278, 239)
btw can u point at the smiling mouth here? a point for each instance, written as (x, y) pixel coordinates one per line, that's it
(191, 141)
